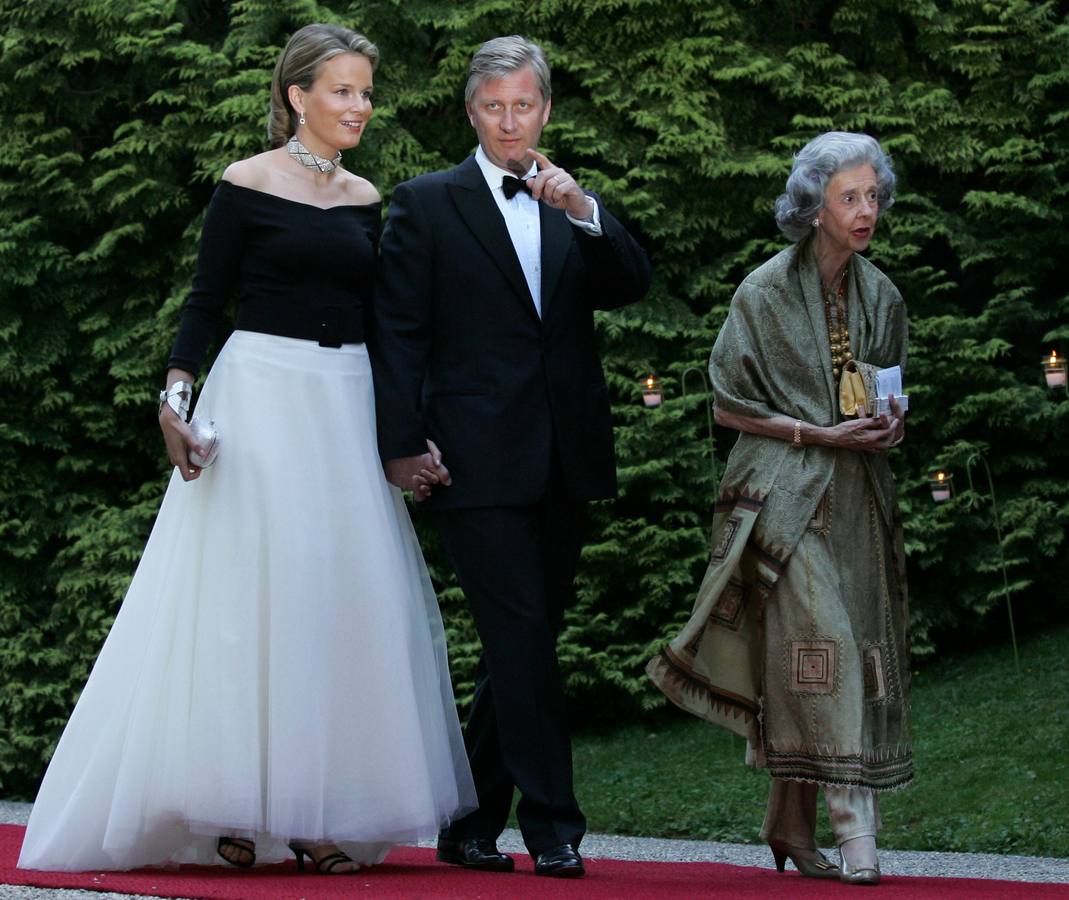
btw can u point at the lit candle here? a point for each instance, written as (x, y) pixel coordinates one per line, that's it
(940, 483)
(1054, 370)
(651, 391)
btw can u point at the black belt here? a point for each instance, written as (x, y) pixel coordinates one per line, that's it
(330, 326)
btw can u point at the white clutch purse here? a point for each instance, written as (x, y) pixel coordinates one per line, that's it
(207, 436)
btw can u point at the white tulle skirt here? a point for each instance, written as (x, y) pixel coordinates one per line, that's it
(278, 668)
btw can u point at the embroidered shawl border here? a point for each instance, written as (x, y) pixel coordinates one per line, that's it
(847, 771)
(677, 673)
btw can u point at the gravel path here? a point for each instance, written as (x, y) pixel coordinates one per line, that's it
(892, 862)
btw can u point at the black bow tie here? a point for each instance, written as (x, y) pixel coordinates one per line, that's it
(512, 186)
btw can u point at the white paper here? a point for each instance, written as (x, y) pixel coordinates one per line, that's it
(888, 384)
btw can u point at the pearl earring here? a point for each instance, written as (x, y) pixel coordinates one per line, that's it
(816, 222)
(301, 121)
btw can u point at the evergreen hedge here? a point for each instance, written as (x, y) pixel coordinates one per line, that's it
(121, 114)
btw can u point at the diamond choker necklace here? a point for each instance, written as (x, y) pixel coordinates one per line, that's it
(310, 160)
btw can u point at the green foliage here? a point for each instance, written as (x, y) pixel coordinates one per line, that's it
(684, 115)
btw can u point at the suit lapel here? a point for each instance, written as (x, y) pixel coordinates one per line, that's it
(556, 236)
(479, 212)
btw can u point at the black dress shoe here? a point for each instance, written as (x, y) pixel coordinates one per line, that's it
(560, 862)
(474, 853)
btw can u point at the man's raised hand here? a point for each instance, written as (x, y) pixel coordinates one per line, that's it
(556, 188)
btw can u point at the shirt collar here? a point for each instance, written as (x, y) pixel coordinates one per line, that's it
(494, 175)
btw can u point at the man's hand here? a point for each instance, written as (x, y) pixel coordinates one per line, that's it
(556, 188)
(418, 473)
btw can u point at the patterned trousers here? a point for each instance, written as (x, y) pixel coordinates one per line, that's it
(791, 815)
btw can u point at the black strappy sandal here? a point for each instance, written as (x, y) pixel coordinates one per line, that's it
(244, 851)
(325, 865)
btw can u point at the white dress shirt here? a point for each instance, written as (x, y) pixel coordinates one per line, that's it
(521, 214)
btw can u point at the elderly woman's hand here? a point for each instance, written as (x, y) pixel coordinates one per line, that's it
(870, 435)
(899, 421)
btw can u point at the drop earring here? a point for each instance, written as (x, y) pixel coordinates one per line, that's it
(300, 121)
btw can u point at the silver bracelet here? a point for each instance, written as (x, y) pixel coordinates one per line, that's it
(178, 396)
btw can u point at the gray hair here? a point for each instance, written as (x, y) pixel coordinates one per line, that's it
(502, 56)
(306, 51)
(816, 164)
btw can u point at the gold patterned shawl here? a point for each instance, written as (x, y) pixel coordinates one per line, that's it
(772, 357)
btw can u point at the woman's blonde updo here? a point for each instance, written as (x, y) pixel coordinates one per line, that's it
(299, 64)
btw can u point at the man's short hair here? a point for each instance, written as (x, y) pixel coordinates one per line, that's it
(502, 56)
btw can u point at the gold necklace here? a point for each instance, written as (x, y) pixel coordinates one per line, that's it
(838, 325)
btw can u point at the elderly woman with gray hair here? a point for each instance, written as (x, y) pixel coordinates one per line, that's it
(799, 636)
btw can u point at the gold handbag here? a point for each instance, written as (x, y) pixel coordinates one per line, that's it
(857, 388)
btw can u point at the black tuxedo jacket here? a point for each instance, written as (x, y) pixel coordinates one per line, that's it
(461, 356)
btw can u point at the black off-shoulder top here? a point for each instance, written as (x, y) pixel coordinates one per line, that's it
(295, 269)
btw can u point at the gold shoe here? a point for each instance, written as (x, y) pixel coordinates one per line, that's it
(811, 863)
(862, 875)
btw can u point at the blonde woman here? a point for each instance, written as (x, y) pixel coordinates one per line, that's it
(276, 679)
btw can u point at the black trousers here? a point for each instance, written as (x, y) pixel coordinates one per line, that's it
(516, 566)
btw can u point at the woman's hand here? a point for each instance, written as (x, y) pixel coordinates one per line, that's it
(899, 420)
(431, 473)
(419, 474)
(866, 434)
(179, 441)
(176, 433)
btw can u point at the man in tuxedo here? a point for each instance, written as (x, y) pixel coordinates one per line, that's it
(483, 349)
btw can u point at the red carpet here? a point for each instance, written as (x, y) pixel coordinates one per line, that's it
(410, 873)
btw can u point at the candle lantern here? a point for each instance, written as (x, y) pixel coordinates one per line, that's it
(1054, 370)
(651, 391)
(942, 485)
